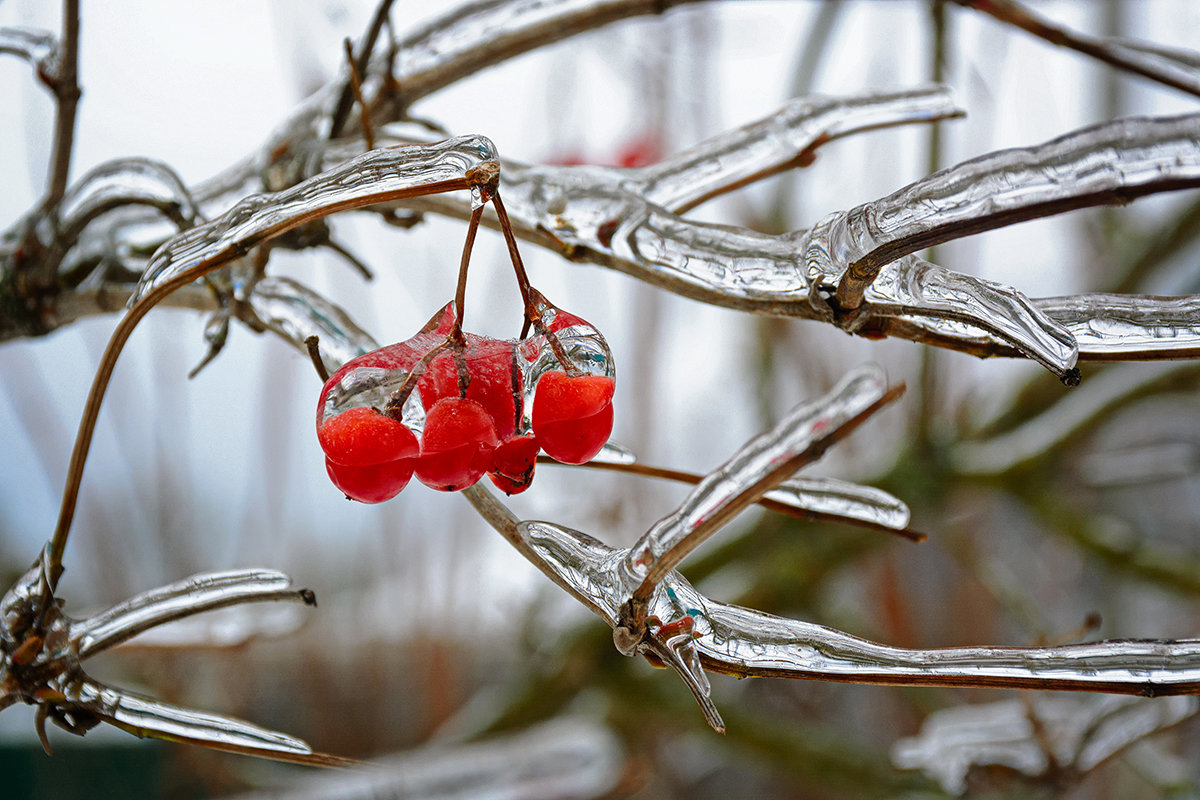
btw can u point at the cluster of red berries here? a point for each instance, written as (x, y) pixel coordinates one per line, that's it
(451, 410)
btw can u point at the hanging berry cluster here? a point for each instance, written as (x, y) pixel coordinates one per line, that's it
(449, 406)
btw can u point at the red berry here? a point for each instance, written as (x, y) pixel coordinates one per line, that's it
(513, 463)
(456, 448)
(572, 415)
(362, 436)
(640, 152)
(494, 381)
(374, 483)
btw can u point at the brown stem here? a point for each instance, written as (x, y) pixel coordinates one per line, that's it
(395, 403)
(460, 291)
(529, 295)
(65, 85)
(1012, 13)
(356, 85)
(312, 344)
(510, 239)
(359, 66)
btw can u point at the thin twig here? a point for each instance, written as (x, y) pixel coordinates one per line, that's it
(312, 344)
(65, 85)
(351, 259)
(358, 67)
(356, 85)
(682, 476)
(1111, 53)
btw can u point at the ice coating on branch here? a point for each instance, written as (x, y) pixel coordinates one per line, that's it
(1034, 735)
(126, 182)
(763, 644)
(842, 499)
(758, 466)
(600, 214)
(1121, 326)
(789, 135)
(911, 286)
(381, 175)
(144, 717)
(296, 312)
(39, 48)
(40, 660)
(742, 641)
(692, 633)
(191, 596)
(1106, 163)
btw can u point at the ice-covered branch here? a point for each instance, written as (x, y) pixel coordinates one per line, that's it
(801, 437)
(784, 140)
(43, 649)
(692, 633)
(1113, 162)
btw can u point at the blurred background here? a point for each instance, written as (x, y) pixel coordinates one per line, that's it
(434, 632)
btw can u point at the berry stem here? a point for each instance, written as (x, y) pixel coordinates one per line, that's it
(529, 295)
(312, 343)
(395, 403)
(514, 254)
(460, 293)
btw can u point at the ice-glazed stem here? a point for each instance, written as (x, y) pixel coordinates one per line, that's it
(294, 312)
(786, 139)
(194, 595)
(817, 499)
(745, 642)
(124, 182)
(1126, 326)
(37, 47)
(800, 438)
(913, 287)
(1110, 163)
(378, 176)
(144, 717)
(468, 39)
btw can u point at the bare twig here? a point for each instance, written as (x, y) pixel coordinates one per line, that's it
(791, 510)
(65, 85)
(1178, 70)
(352, 89)
(356, 85)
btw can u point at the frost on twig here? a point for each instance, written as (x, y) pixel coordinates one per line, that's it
(42, 650)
